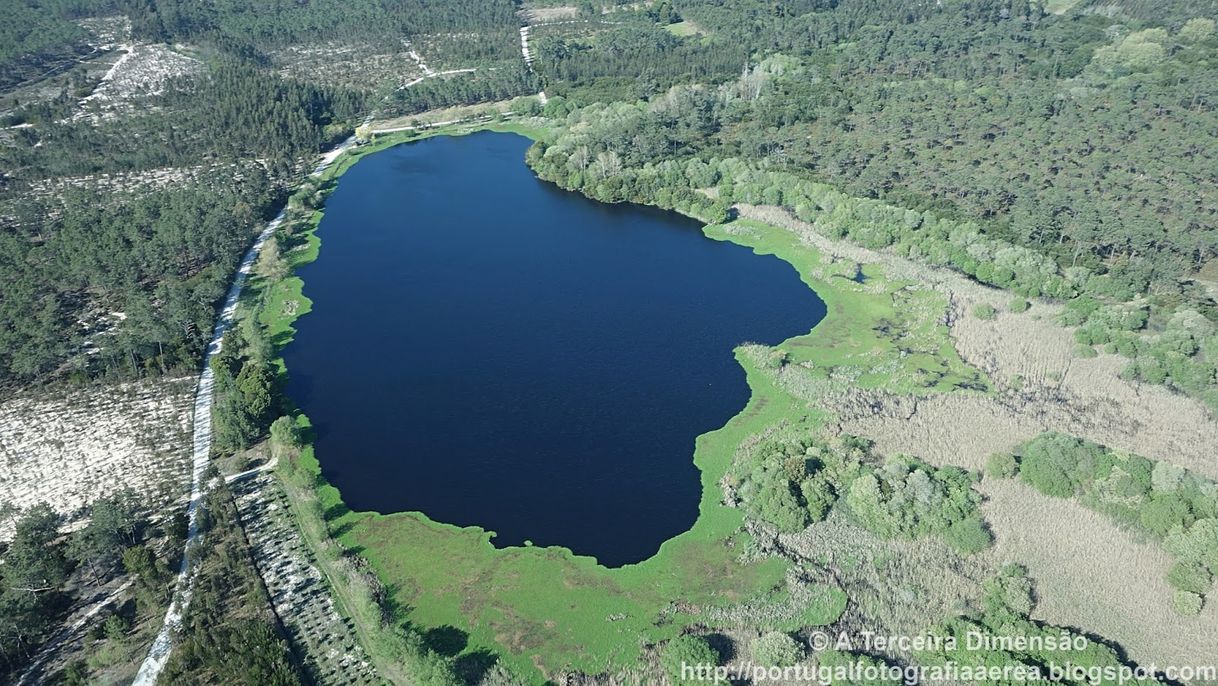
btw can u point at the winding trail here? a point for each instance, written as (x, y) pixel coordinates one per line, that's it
(527, 52)
(528, 55)
(47, 651)
(414, 55)
(162, 645)
(128, 50)
(430, 75)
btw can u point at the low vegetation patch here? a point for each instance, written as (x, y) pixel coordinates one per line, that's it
(791, 483)
(1167, 503)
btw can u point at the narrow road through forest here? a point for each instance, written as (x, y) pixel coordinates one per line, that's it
(162, 645)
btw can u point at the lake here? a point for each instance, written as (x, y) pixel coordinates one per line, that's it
(490, 350)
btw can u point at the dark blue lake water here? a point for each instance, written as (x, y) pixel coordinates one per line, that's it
(491, 350)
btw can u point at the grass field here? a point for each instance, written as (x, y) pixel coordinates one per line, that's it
(546, 610)
(1060, 6)
(684, 28)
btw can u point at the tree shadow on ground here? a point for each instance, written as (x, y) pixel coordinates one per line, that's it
(724, 646)
(474, 665)
(336, 510)
(446, 640)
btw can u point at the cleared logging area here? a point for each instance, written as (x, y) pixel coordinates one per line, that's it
(68, 446)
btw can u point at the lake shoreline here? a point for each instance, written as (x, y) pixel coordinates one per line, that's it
(715, 525)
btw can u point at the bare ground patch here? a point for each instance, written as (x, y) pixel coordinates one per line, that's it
(142, 71)
(538, 15)
(299, 592)
(361, 66)
(145, 181)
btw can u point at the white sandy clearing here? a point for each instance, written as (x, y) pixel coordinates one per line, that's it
(69, 446)
(142, 71)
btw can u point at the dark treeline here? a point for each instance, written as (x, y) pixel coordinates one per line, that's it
(632, 61)
(236, 110)
(506, 81)
(246, 111)
(163, 260)
(254, 26)
(37, 35)
(1028, 124)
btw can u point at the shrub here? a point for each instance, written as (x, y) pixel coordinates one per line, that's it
(75, 674)
(1187, 604)
(1060, 465)
(1010, 591)
(1191, 577)
(1198, 543)
(1162, 513)
(1085, 352)
(687, 650)
(793, 483)
(1197, 30)
(1019, 305)
(969, 535)
(909, 498)
(777, 649)
(285, 437)
(1001, 466)
(984, 311)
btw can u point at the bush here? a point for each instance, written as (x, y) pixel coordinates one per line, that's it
(1191, 577)
(1162, 513)
(1001, 466)
(793, 483)
(688, 650)
(1198, 543)
(1019, 305)
(1187, 604)
(1085, 352)
(777, 649)
(985, 311)
(1010, 591)
(1060, 465)
(76, 673)
(969, 535)
(285, 437)
(1197, 30)
(910, 498)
